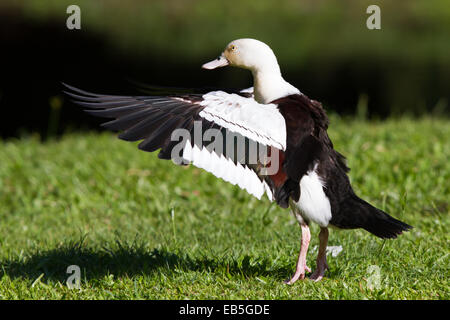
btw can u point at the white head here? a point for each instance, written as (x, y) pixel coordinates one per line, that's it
(248, 54)
(257, 57)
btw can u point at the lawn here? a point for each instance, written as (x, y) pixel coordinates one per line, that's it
(142, 228)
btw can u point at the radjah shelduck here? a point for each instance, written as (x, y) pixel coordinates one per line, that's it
(285, 151)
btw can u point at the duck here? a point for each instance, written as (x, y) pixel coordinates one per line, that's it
(269, 139)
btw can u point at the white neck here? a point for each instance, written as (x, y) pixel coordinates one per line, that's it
(269, 85)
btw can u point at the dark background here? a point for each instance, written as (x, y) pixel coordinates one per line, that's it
(324, 48)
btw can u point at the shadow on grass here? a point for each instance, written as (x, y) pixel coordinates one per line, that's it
(130, 261)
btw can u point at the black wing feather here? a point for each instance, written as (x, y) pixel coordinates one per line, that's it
(162, 134)
(145, 127)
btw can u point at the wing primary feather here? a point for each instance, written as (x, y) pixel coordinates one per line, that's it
(143, 128)
(91, 94)
(126, 122)
(119, 112)
(92, 99)
(160, 135)
(109, 104)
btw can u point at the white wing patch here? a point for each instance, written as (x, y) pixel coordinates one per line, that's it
(262, 123)
(225, 169)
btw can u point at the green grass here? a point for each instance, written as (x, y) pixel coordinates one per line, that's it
(97, 202)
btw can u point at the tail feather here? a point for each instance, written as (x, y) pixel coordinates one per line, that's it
(384, 226)
(357, 213)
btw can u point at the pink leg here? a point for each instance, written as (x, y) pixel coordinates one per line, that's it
(301, 262)
(322, 256)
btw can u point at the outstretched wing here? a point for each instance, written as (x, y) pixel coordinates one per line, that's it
(228, 134)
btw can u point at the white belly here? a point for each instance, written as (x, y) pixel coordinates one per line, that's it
(313, 204)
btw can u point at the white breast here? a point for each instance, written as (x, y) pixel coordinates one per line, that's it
(314, 205)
